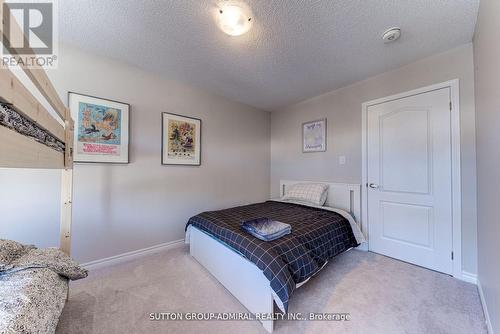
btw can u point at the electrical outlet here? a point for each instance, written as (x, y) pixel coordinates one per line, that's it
(342, 160)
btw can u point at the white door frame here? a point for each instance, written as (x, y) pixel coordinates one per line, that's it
(455, 165)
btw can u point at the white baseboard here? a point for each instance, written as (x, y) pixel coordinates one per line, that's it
(468, 277)
(120, 258)
(485, 308)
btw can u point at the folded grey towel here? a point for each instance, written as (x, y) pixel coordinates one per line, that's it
(266, 229)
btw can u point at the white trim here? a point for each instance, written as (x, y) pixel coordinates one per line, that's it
(455, 161)
(124, 257)
(485, 308)
(456, 186)
(468, 277)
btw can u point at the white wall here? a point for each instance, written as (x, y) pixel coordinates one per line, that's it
(487, 84)
(120, 208)
(342, 108)
(29, 206)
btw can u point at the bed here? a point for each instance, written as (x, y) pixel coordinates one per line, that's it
(36, 131)
(261, 274)
(19, 294)
(33, 287)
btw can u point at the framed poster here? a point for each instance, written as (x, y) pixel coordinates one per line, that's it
(101, 129)
(314, 136)
(181, 140)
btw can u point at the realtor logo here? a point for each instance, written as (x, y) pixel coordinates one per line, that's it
(29, 31)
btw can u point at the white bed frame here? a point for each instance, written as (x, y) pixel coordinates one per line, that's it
(241, 277)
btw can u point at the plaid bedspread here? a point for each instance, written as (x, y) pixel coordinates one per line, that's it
(317, 235)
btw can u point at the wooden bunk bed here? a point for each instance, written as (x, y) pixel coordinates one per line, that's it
(32, 137)
(36, 139)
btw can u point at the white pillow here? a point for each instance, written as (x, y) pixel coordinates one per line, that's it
(313, 193)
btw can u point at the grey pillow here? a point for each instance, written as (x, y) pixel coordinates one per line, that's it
(10, 251)
(311, 193)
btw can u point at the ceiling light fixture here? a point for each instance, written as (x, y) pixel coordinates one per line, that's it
(234, 20)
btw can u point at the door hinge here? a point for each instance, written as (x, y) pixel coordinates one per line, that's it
(451, 106)
(452, 255)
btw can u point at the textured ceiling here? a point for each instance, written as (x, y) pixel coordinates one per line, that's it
(296, 49)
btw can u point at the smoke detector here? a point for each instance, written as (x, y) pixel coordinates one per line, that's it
(391, 35)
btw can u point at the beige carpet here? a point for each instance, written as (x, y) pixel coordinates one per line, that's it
(382, 295)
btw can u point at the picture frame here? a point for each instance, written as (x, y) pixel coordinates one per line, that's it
(180, 140)
(101, 129)
(314, 136)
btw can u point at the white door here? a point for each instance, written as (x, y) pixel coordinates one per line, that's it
(409, 179)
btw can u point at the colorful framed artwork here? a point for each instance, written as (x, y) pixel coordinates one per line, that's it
(101, 129)
(314, 136)
(181, 140)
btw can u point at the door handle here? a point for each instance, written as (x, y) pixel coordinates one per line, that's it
(373, 186)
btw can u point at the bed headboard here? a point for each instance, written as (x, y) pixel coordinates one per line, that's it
(340, 195)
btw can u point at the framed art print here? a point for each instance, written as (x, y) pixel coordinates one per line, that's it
(181, 140)
(101, 129)
(314, 136)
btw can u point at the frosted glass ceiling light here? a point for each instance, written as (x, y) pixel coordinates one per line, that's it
(234, 20)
